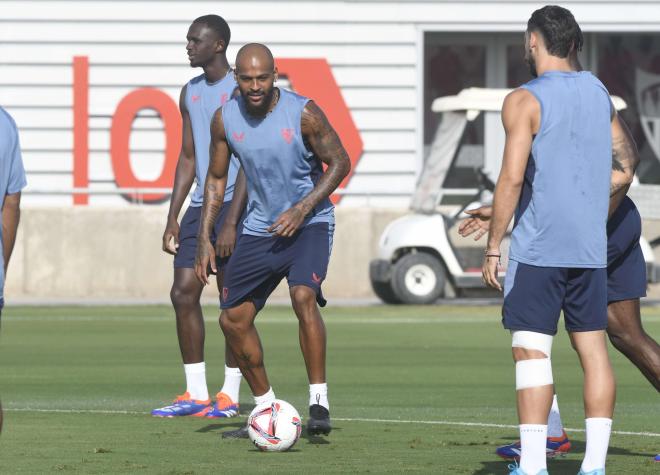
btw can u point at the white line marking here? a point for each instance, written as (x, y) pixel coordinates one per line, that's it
(346, 419)
(480, 424)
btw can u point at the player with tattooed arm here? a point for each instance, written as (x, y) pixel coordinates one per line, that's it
(281, 140)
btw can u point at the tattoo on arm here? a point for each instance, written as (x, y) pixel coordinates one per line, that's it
(624, 160)
(216, 177)
(322, 139)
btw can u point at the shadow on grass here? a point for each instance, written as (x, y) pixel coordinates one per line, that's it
(561, 465)
(317, 439)
(230, 424)
(224, 425)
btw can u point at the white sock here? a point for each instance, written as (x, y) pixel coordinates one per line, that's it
(598, 439)
(232, 384)
(318, 394)
(532, 445)
(196, 381)
(264, 398)
(555, 427)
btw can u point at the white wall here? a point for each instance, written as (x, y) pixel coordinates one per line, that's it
(373, 48)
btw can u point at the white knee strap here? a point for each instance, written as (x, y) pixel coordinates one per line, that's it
(533, 372)
(532, 341)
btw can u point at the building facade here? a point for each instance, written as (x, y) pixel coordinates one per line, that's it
(94, 85)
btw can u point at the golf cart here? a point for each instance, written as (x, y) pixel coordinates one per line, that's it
(417, 261)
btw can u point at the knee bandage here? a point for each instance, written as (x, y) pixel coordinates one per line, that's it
(533, 372)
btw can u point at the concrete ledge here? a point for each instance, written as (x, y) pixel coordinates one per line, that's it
(106, 255)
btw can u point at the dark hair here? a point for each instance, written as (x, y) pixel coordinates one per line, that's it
(560, 31)
(217, 24)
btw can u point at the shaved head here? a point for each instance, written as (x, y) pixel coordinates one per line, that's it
(255, 54)
(256, 74)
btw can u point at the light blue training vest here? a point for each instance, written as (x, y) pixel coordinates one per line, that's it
(279, 168)
(202, 100)
(562, 213)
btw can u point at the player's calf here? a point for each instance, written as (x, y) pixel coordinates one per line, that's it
(534, 386)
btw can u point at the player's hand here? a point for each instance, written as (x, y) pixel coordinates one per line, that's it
(288, 222)
(204, 257)
(171, 237)
(490, 268)
(224, 245)
(477, 223)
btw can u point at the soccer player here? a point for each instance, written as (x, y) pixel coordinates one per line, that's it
(281, 139)
(12, 181)
(626, 284)
(560, 131)
(208, 38)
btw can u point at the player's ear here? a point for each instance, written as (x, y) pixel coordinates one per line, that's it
(275, 75)
(533, 39)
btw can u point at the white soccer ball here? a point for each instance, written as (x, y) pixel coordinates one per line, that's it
(274, 426)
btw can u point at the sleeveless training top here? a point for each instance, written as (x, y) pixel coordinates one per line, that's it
(12, 173)
(279, 168)
(562, 213)
(202, 100)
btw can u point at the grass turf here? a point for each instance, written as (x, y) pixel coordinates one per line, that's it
(77, 384)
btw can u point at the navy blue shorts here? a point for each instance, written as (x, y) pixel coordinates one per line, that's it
(259, 263)
(535, 296)
(626, 268)
(188, 229)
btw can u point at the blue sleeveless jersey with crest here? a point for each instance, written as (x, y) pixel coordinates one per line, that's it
(562, 213)
(202, 100)
(279, 168)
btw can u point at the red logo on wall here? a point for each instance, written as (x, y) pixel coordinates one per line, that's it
(309, 77)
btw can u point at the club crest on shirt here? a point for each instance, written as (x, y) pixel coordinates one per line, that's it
(194, 98)
(238, 137)
(287, 134)
(224, 98)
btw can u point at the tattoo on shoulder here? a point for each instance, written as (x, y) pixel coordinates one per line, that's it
(313, 119)
(624, 155)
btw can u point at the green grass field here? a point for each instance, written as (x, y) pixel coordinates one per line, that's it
(412, 389)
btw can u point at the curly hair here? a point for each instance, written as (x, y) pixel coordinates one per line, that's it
(561, 33)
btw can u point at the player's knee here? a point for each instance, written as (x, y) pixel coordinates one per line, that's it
(622, 334)
(232, 323)
(303, 297)
(532, 351)
(182, 297)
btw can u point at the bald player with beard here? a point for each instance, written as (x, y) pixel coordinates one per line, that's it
(282, 140)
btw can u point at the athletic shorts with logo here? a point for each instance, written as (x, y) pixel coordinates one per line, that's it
(188, 230)
(259, 263)
(534, 296)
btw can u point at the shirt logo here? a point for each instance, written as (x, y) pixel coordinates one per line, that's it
(287, 134)
(224, 98)
(238, 137)
(316, 278)
(195, 98)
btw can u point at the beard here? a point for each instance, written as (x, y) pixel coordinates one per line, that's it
(531, 64)
(261, 109)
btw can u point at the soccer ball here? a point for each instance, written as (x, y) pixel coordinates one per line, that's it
(274, 426)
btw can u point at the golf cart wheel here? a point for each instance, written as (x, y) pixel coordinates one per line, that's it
(384, 292)
(418, 278)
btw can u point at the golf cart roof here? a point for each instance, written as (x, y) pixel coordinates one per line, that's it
(477, 99)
